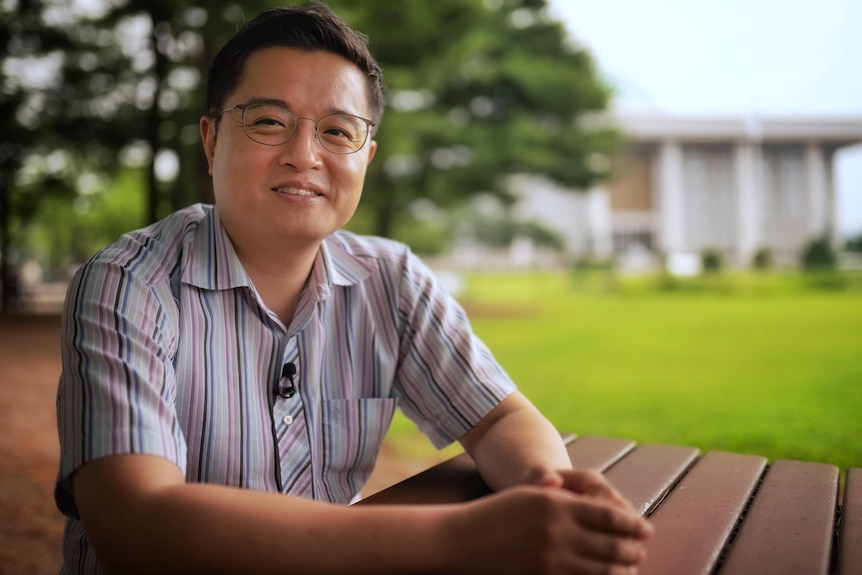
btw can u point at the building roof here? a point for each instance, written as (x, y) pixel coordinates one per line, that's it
(832, 130)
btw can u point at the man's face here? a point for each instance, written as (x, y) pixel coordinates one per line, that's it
(297, 193)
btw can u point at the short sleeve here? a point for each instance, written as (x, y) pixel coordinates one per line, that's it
(447, 377)
(117, 389)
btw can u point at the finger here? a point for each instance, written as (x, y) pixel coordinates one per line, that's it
(610, 548)
(544, 477)
(593, 483)
(588, 566)
(608, 519)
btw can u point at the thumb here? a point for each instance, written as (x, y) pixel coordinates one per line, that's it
(544, 477)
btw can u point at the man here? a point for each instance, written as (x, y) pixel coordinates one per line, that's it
(229, 372)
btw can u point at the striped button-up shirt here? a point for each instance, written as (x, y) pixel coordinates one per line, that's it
(169, 350)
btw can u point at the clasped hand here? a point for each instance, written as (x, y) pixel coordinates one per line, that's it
(559, 522)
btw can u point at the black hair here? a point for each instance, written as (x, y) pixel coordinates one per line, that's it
(309, 28)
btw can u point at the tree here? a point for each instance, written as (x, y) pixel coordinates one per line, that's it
(819, 255)
(116, 85)
(480, 90)
(24, 131)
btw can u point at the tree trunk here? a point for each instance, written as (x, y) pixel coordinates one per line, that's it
(385, 217)
(158, 13)
(8, 277)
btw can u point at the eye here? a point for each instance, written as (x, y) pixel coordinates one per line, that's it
(268, 118)
(336, 131)
(342, 128)
(267, 121)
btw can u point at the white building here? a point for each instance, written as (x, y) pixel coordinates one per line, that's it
(689, 184)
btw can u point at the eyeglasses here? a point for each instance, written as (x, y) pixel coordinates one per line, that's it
(274, 125)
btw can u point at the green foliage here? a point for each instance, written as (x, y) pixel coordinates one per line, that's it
(477, 93)
(712, 260)
(500, 232)
(63, 234)
(762, 259)
(735, 283)
(541, 236)
(495, 232)
(854, 244)
(423, 237)
(590, 263)
(87, 94)
(479, 90)
(818, 255)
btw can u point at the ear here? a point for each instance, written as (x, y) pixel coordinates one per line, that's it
(208, 138)
(372, 149)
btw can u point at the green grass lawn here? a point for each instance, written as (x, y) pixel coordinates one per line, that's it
(761, 364)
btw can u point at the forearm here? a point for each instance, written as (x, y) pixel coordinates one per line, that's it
(170, 526)
(513, 442)
(142, 517)
(208, 529)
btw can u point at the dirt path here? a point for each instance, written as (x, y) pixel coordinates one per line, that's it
(30, 525)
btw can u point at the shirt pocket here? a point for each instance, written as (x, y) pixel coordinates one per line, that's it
(353, 431)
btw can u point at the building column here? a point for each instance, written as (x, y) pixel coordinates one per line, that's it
(831, 205)
(671, 207)
(599, 222)
(747, 161)
(818, 193)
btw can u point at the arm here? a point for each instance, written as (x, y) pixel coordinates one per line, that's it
(142, 517)
(515, 445)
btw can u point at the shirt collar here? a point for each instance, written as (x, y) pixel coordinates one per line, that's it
(213, 264)
(336, 266)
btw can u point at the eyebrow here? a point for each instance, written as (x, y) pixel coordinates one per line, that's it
(286, 106)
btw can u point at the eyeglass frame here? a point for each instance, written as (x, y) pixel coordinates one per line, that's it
(244, 106)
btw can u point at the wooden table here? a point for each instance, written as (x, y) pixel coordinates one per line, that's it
(718, 513)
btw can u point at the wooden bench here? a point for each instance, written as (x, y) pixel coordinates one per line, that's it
(717, 513)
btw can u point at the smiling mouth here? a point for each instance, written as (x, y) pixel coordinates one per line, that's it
(290, 191)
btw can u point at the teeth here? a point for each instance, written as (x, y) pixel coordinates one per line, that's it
(295, 191)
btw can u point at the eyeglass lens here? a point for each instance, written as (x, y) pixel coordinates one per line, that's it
(274, 125)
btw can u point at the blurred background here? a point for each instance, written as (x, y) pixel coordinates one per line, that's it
(652, 211)
(518, 133)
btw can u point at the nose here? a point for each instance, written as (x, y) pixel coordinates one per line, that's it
(302, 151)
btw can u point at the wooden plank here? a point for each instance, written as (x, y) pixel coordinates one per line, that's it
(453, 481)
(456, 480)
(647, 474)
(696, 519)
(850, 538)
(600, 453)
(789, 526)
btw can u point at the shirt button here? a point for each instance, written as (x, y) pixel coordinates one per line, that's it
(288, 420)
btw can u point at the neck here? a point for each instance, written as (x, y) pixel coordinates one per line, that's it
(279, 275)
